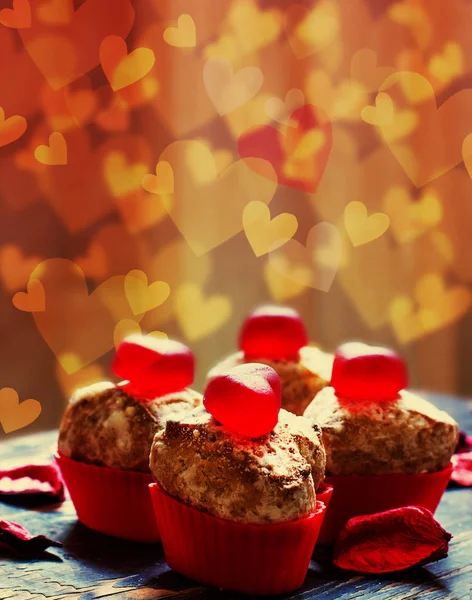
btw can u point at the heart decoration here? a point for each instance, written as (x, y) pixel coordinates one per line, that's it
(184, 35)
(11, 129)
(18, 17)
(14, 414)
(228, 90)
(201, 194)
(66, 51)
(141, 296)
(250, 389)
(298, 152)
(361, 227)
(153, 366)
(53, 154)
(265, 234)
(274, 332)
(60, 302)
(363, 372)
(123, 69)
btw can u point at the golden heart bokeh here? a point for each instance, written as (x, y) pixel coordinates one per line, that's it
(18, 17)
(314, 264)
(245, 31)
(15, 268)
(310, 31)
(409, 218)
(361, 227)
(184, 34)
(199, 315)
(72, 321)
(437, 306)
(265, 234)
(415, 149)
(141, 296)
(122, 68)
(203, 198)
(132, 201)
(66, 51)
(228, 90)
(14, 414)
(11, 128)
(54, 153)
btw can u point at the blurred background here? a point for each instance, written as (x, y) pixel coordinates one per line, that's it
(166, 166)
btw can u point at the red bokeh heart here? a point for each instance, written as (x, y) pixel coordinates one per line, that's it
(363, 372)
(298, 153)
(153, 366)
(245, 399)
(64, 52)
(273, 332)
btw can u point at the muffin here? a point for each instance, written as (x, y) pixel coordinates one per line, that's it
(385, 446)
(271, 479)
(276, 336)
(235, 510)
(106, 426)
(407, 435)
(107, 430)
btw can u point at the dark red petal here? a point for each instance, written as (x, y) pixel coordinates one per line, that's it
(391, 541)
(462, 469)
(15, 538)
(40, 483)
(464, 443)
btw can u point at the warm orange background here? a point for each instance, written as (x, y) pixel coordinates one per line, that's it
(383, 177)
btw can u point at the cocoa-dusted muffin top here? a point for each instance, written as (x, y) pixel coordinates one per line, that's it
(106, 426)
(371, 437)
(301, 379)
(270, 479)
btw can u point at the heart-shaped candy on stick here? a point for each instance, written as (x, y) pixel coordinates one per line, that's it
(363, 372)
(245, 399)
(153, 366)
(273, 332)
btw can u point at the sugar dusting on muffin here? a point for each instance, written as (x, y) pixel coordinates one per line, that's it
(301, 380)
(103, 425)
(406, 435)
(270, 479)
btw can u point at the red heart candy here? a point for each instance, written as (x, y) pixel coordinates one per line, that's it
(153, 366)
(363, 372)
(245, 399)
(274, 332)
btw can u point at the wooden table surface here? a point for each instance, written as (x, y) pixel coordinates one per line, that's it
(92, 566)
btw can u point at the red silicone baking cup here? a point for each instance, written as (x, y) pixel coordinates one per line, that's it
(111, 501)
(356, 495)
(253, 559)
(324, 494)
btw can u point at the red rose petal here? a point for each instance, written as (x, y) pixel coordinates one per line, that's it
(39, 483)
(464, 443)
(462, 469)
(15, 538)
(391, 541)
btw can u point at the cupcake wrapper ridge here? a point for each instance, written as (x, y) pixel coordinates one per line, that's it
(356, 495)
(112, 501)
(253, 559)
